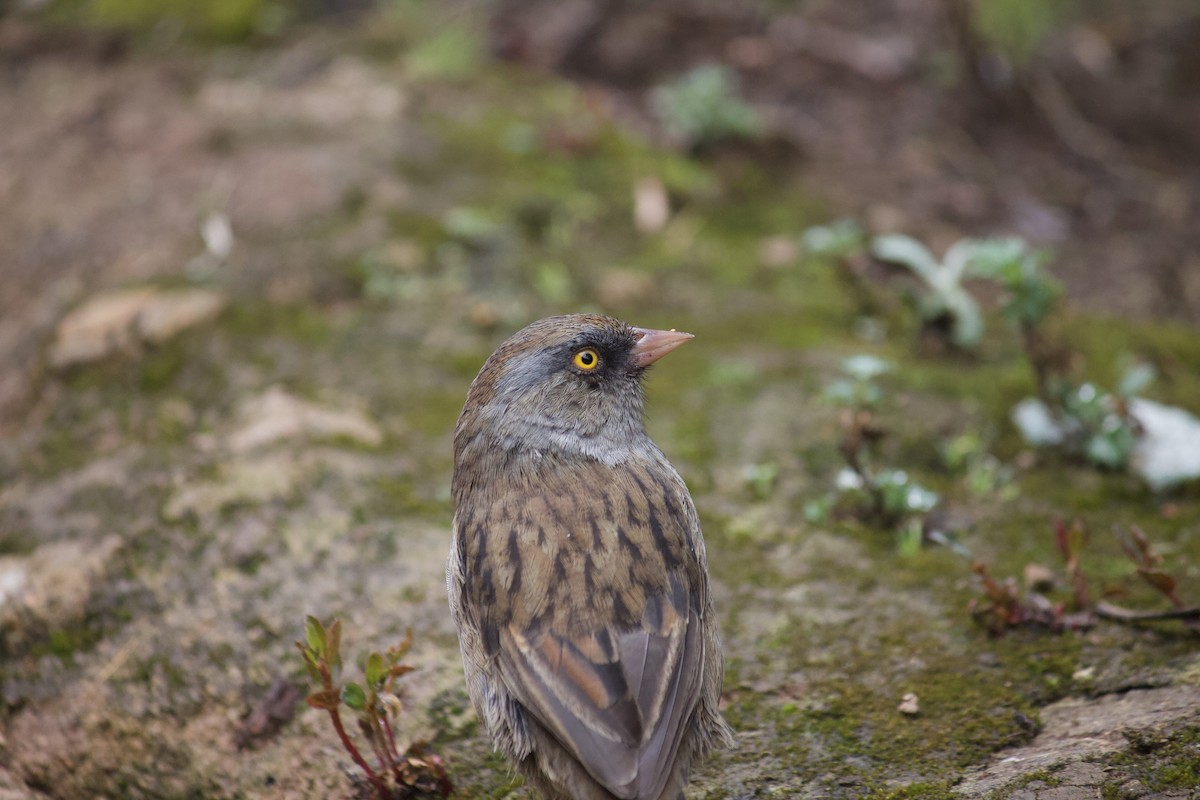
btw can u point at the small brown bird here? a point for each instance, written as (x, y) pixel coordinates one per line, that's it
(577, 576)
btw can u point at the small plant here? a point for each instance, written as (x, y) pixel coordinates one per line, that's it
(1105, 433)
(1030, 294)
(396, 776)
(1112, 430)
(1004, 606)
(839, 239)
(943, 301)
(1148, 564)
(1083, 420)
(983, 473)
(761, 478)
(883, 496)
(858, 389)
(702, 107)
(1086, 422)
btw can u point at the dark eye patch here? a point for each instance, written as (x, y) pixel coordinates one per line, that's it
(613, 347)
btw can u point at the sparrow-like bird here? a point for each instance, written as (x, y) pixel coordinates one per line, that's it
(577, 575)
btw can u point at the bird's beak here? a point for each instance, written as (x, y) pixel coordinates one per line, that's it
(653, 345)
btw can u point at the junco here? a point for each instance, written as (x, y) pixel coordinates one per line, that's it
(577, 576)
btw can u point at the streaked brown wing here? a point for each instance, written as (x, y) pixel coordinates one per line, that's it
(615, 699)
(590, 602)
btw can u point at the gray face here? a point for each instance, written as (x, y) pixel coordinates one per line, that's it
(571, 388)
(582, 395)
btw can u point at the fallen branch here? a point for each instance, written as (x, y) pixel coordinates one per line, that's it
(1121, 614)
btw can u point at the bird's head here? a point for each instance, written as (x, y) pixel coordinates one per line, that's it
(569, 385)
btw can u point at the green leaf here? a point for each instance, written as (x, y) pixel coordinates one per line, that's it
(901, 249)
(1003, 259)
(334, 646)
(314, 632)
(1104, 450)
(1136, 379)
(920, 499)
(452, 53)
(761, 477)
(375, 671)
(864, 367)
(909, 539)
(968, 322)
(836, 240)
(354, 696)
(954, 262)
(817, 511)
(310, 661)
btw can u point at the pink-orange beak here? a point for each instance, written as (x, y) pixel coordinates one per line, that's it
(653, 345)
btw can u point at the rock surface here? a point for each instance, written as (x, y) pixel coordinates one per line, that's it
(123, 320)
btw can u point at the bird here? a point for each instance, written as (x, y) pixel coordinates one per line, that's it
(577, 574)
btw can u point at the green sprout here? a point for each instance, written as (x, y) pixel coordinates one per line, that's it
(1083, 419)
(375, 701)
(859, 389)
(1010, 262)
(837, 240)
(943, 299)
(761, 478)
(887, 497)
(1106, 433)
(1086, 421)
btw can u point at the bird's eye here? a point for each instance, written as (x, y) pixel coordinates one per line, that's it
(586, 359)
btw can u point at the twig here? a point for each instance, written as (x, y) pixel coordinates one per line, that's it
(376, 781)
(369, 726)
(390, 742)
(1122, 614)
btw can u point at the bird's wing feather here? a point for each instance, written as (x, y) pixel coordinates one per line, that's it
(605, 652)
(619, 709)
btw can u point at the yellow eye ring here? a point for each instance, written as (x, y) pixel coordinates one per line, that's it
(586, 359)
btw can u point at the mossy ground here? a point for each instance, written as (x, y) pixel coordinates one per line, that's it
(1161, 762)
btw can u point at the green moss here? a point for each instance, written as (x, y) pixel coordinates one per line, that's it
(160, 368)
(213, 20)
(546, 181)
(479, 771)
(256, 319)
(1161, 762)
(922, 790)
(1042, 776)
(66, 642)
(1104, 342)
(452, 717)
(400, 498)
(847, 725)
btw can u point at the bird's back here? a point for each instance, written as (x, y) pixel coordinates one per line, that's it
(586, 586)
